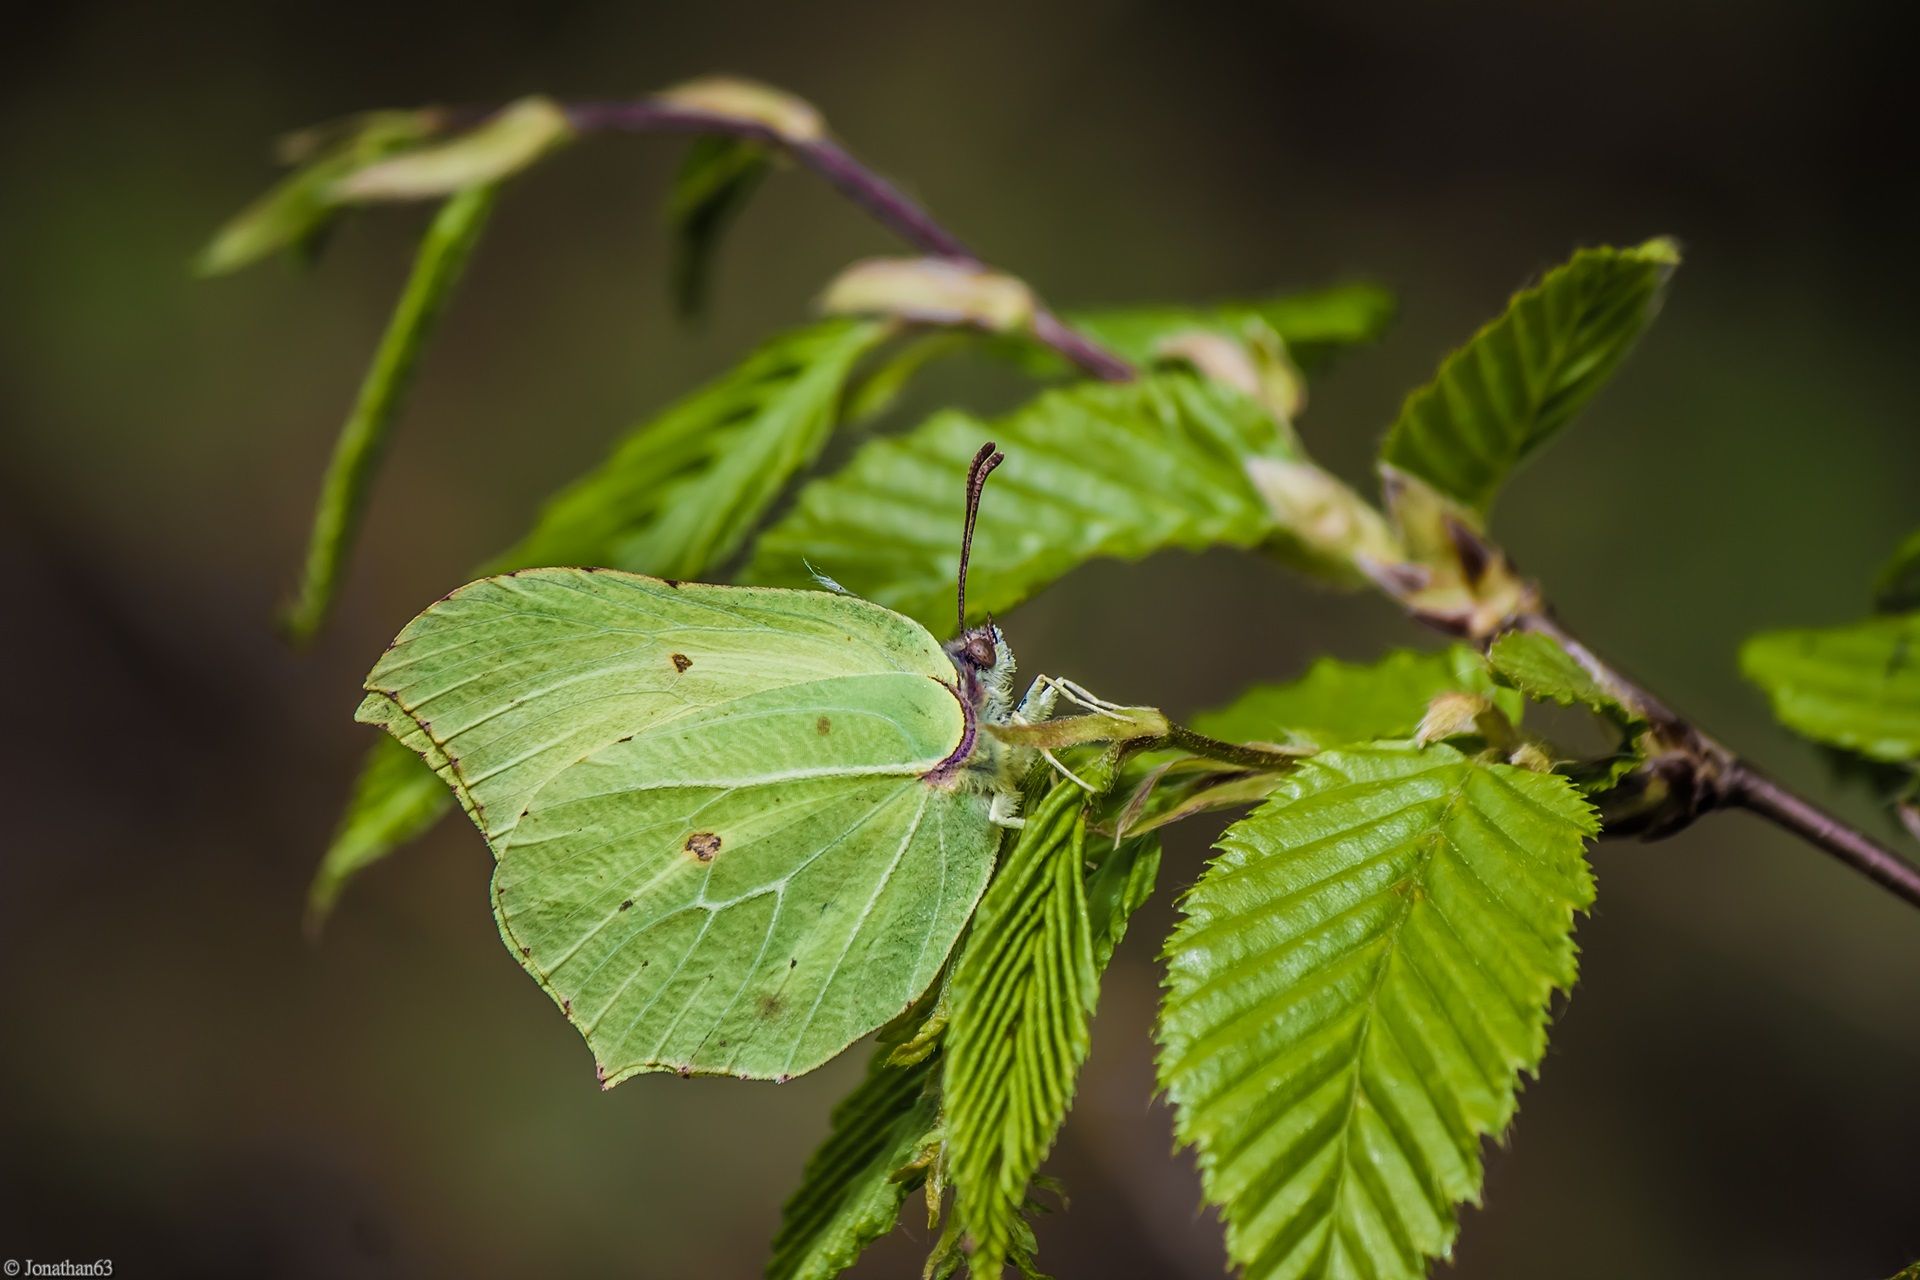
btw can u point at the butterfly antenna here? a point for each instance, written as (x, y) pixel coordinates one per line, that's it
(983, 464)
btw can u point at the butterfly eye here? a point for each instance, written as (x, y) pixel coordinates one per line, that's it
(980, 651)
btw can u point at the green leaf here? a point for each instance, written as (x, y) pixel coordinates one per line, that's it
(1855, 686)
(1094, 470)
(1897, 589)
(1311, 324)
(717, 178)
(443, 256)
(675, 498)
(1358, 980)
(395, 800)
(1116, 888)
(507, 142)
(1336, 703)
(299, 208)
(680, 494)
(1539, 667)
(1023, 997)
(1519, 380)
(853, 1186)
(886, 378)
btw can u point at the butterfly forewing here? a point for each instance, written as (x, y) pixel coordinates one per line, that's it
(717, 846)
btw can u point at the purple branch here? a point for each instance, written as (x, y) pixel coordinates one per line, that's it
(1717, 778)
(1749, 789)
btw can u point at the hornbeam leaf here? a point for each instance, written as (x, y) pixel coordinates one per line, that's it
(888, 1137)
(1312, 324)
(1542, 669)
(1358, 980)
(1855, 686)
(1022, 999)
(675, 498)
(443, 257)
(1120, 470)
(680, 495)
(1116, 888)
(1498, 399)
(1336, 703)
(396, 799)
(717, 178)
(729, 830)
(853, 1186)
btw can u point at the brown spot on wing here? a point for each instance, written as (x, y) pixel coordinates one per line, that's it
(681, 662)
(703, 845)
(823, 726)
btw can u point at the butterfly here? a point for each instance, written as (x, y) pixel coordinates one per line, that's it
(735, 829)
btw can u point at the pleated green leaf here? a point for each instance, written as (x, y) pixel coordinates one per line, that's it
(680, 495)
(886, 1134)
(1116, 888)
(676, 498)
(716, 179)
(437, 268)
(1336, 703)
(1356, 984)
(1501, 397)
(853, 1186)
(1855, 686)
(1094, 470)
(1022, 1000)
(1539, 667)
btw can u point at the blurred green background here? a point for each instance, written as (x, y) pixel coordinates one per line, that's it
(188, 1087)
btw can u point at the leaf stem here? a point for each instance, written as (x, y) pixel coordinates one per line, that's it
(879, 198)
(1240, 753)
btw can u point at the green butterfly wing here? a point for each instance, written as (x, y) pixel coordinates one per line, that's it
(717, 845)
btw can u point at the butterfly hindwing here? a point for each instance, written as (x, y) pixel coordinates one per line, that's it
(740, 930)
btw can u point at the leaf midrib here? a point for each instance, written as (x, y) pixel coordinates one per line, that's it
(1415, 878)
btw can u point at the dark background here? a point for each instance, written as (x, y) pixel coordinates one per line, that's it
(188, 1087)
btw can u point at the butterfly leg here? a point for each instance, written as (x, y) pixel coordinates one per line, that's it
(1037, 703)
(1067, 773)
(1047, 689)
(1004, 811)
